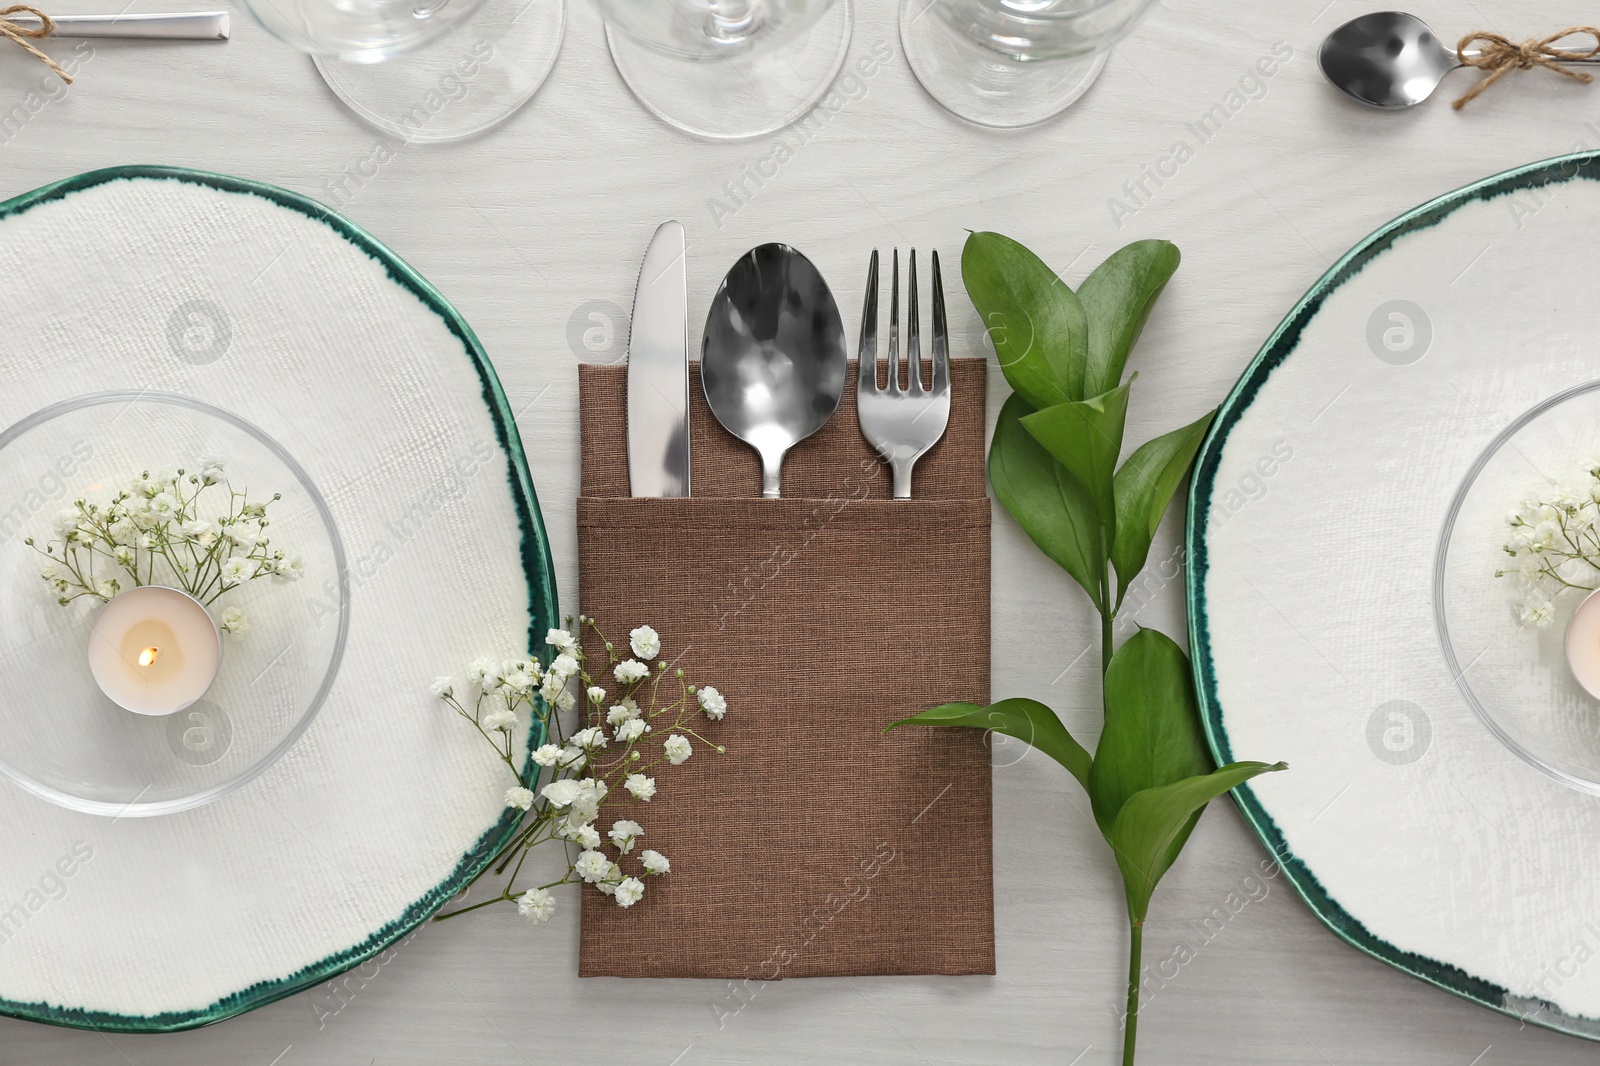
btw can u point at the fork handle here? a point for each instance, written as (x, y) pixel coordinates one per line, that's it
(902, 477)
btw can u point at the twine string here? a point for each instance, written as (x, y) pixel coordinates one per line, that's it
(22, 33)
(1498, 56)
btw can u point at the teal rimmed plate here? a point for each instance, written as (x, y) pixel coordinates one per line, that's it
(267, 305)
(1317, 504)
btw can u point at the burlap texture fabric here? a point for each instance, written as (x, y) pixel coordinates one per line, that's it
(815, 845)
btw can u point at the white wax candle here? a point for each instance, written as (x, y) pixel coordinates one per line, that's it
(1583, 644)
(154, 650)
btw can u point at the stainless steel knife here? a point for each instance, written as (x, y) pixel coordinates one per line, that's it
(658, 370)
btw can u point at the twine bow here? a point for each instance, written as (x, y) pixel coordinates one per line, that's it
(21, 33)
(1499, 56)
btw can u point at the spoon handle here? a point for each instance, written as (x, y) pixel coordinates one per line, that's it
(771, 467)
(1591, 61)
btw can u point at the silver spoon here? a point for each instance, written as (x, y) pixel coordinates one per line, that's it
(1390, 59)
(773, 358)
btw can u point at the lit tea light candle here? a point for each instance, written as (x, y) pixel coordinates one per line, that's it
(154, 650)
(1583, 644)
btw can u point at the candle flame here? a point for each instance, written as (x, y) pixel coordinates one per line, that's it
(148, 656)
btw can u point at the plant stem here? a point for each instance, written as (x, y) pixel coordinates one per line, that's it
(1105, 643)
(1130, 1028)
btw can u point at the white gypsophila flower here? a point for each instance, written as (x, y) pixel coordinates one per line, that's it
(50, 573)
(561, 641)
(629, 892)
(547, 754)
(592, 866)
(630, 670)
(482, 669)
(565, 701)
(561, 793)
(608, 884)
(237, 569)
(443, 687)
(622, 712)
(624, 833)
(518, 681)
(210, 469)
(65, 522)
(583, 834)
(592, 787)
(123, 554)
(1537, 614)
(640, 787)
(163, 505)
(596, 694)
(519, 797)
(1530, 570)
(572, 759)
(645, 642)
(106, 589)
(503, 720)
(677, 749)
(588, 738)
(632, 730)
(562, 666)
(196, 528)
(289, 568)
(234, 621)
(712, 703)
(537, 905)
(655, 862)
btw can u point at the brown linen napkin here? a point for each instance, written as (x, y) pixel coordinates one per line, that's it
(815, 845)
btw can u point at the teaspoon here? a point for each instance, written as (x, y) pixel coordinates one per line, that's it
(1390, 59)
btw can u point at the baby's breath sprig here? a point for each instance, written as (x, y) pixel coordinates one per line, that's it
(165, 528)
(1555, 540)
(648, 714)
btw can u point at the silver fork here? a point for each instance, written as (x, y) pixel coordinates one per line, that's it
(902, 423)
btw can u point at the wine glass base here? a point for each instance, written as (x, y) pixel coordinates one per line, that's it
(986, 88)
(489, 66)
(738, 96)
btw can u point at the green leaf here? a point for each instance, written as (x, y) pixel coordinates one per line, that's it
(1143, 488)
(1085, 436)
(1117, 298)
(1153, 821)
(1038, 327)
(1152, 734)
(1051, 505)
(1028, 720)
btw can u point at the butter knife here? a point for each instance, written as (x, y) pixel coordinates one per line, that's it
(658, 370)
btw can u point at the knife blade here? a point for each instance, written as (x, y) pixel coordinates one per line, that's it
(658, 370)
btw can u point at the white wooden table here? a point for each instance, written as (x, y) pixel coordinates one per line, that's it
(535, 226)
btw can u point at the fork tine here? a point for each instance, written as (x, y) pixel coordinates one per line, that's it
(867, 371)
(913, 333)
(894, 327)
(941, 346)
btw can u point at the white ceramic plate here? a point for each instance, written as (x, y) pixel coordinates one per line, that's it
(270, 306)
(1316, 508)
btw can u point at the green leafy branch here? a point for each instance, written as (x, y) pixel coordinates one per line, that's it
(1053, 465)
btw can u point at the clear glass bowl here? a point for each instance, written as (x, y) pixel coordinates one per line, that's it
(61, 738)
(1516, 678)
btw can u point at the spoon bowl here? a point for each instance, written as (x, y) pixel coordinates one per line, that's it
(1386, 59)
(773, 359)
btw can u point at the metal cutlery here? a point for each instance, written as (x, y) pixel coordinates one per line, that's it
(658, 370)
(773, 359)
(903, 422)
(1393, 60)
(171, 26)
